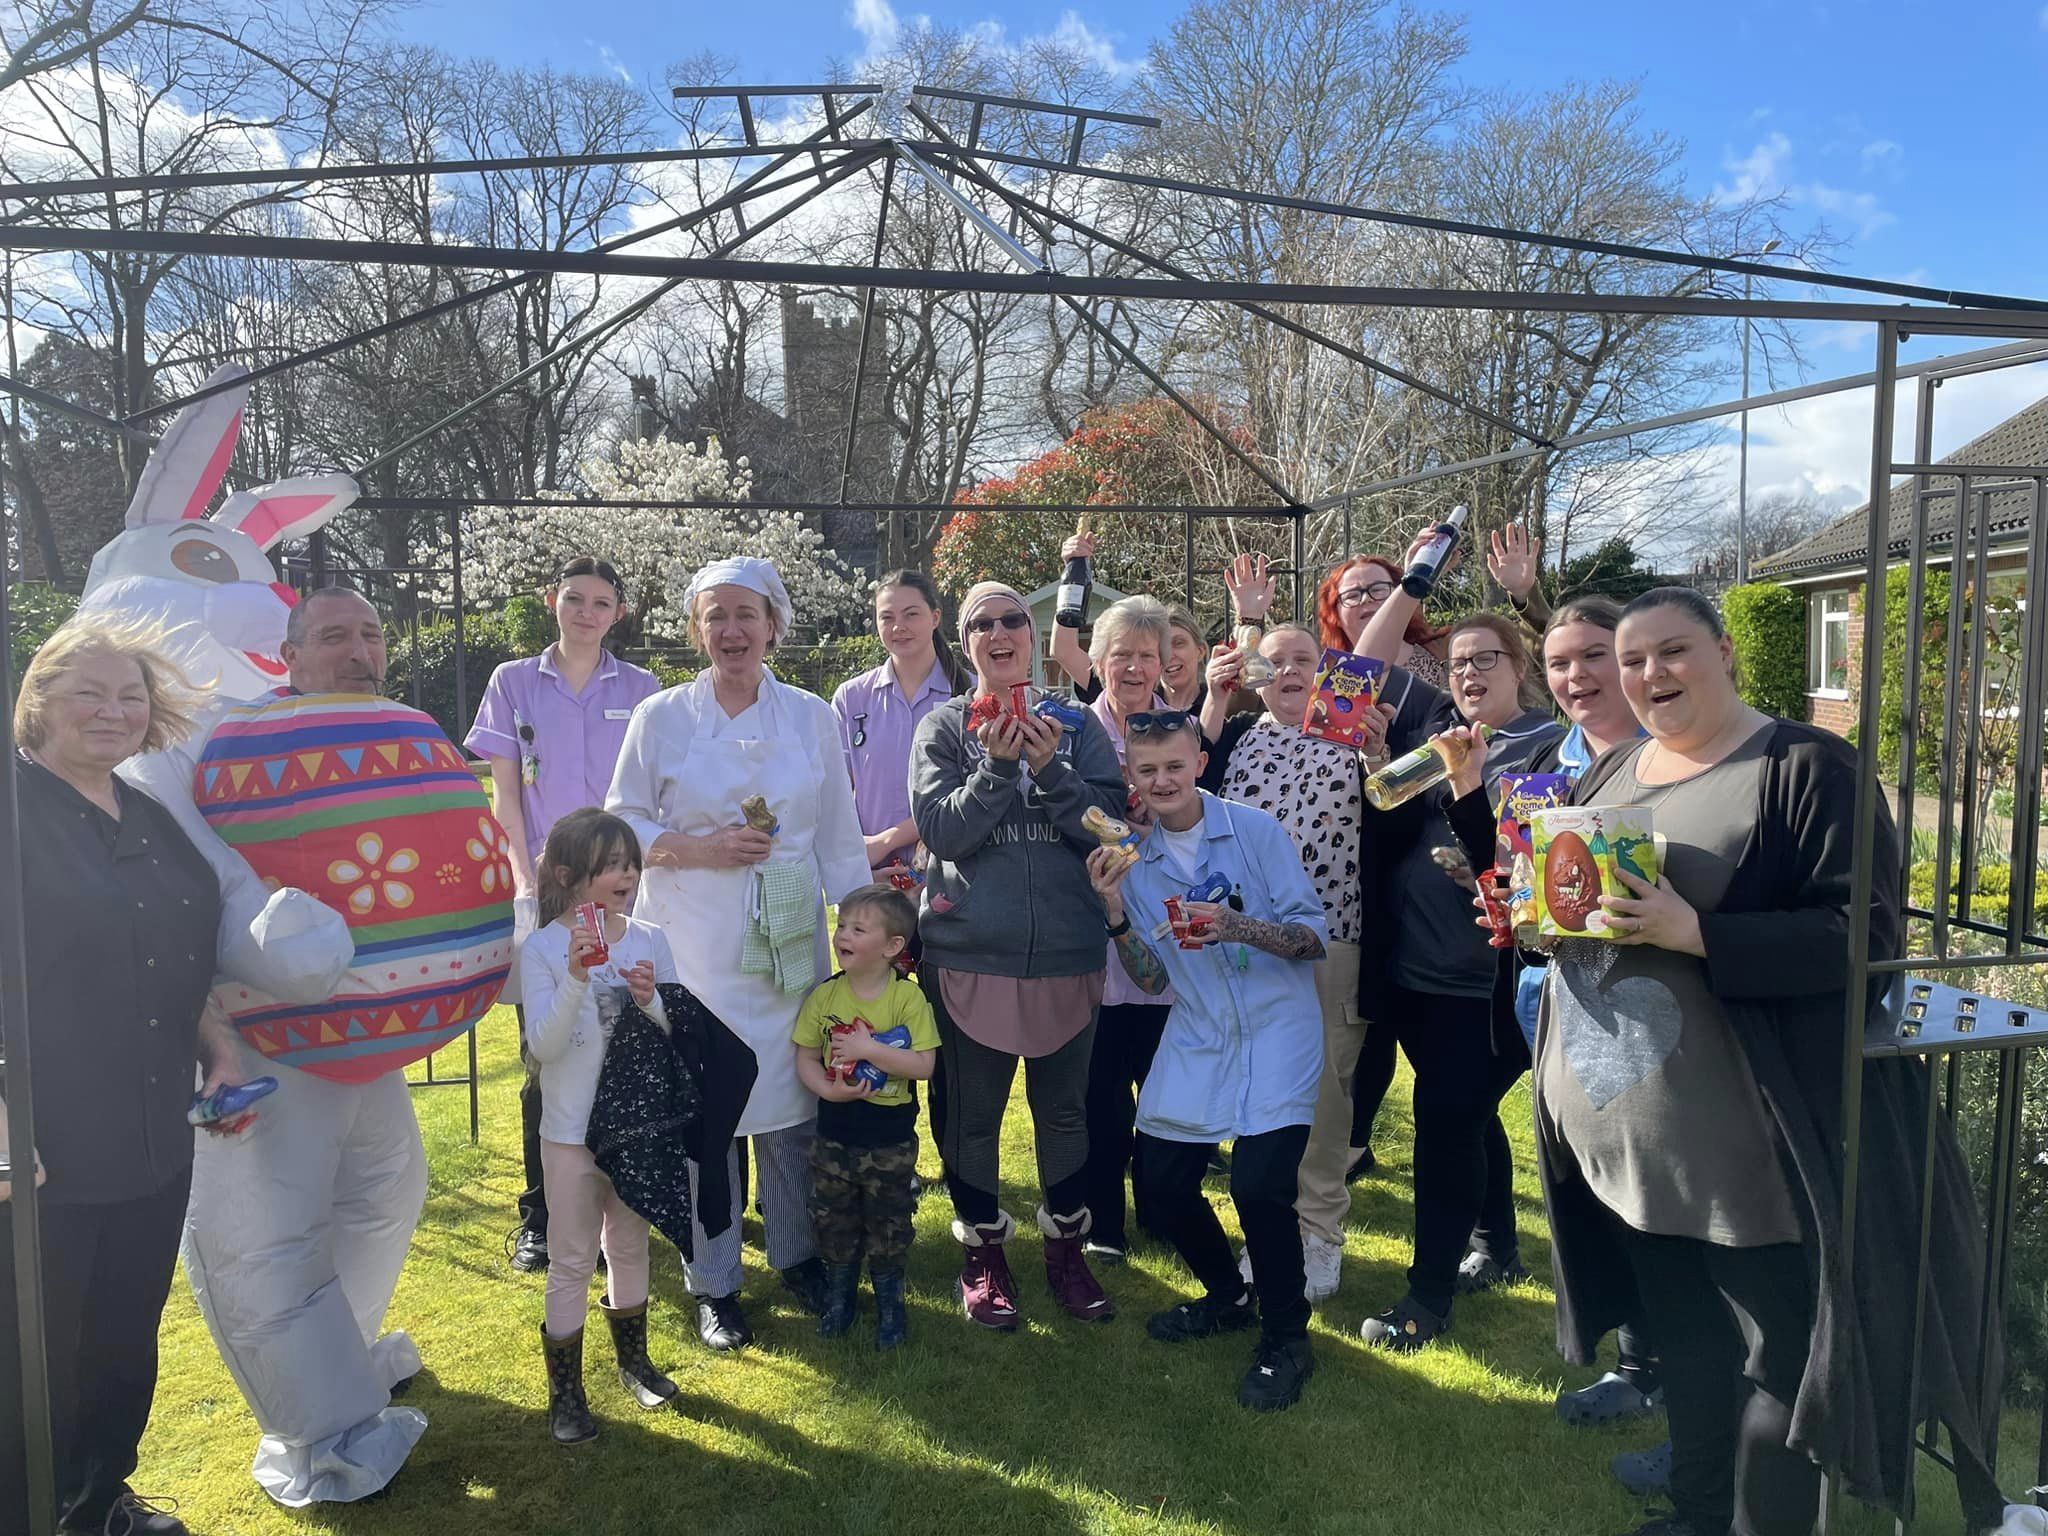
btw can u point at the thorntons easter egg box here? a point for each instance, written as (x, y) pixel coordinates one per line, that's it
(1578, 851)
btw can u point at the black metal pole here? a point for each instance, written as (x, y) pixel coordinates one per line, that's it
(462, 715)
(26, 1212)
(1187, 532)
(860, 357)
(1864, 845)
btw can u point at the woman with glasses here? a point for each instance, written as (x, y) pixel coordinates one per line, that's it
(1181, 655)
(879, 712)
(1358, 589)
(1127, 652)
(1314, 788)
(1454, 1020)
(1013, 950)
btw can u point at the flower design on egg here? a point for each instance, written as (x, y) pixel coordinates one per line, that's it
(371, 874)
(492, 849)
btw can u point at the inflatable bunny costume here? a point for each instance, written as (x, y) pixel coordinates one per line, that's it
(297, 1231)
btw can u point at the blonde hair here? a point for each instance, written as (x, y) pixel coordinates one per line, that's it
(173, 699)
(1145, 614)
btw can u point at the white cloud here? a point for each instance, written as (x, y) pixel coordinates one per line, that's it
(1075, 33)
(1863, 208)
(2044, 18)
(1758, 174)
(875, 21)
(1887, 155)
(610, 60)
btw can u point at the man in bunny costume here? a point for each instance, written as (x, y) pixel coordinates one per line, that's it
(323, 808)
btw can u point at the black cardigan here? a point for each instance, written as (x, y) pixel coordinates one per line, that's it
(1777, 958)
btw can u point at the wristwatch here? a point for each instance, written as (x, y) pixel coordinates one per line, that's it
(1118, 930)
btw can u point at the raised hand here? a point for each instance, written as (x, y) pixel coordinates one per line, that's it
(1078, 544)
(1226, 664)
(1515, 560)
(1251, 586)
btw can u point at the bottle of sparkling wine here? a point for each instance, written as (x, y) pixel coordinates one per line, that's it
(1071, 606)
(1421, 576)
(1424, 768)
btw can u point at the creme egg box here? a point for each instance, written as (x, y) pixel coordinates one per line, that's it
(1580, 851)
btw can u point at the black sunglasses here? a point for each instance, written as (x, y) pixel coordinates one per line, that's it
(1158, 722)
(986, 623)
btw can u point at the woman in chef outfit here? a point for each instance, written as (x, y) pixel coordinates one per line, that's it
(744, 907)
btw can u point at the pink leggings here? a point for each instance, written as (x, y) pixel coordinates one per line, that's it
(582, 1205)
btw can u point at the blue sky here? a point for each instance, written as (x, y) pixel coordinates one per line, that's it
(1913, 130)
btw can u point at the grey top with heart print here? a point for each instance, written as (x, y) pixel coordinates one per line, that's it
(1637, 1069)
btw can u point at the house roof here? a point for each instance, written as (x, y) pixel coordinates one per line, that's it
(2021, 439)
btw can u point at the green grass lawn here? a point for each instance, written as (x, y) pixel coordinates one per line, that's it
(1061, 1427)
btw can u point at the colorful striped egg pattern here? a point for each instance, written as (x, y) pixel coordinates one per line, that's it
(367, 805)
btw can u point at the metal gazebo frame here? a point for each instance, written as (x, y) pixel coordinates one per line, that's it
(953, 166)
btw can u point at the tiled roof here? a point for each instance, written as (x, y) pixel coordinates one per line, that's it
(2021, 439)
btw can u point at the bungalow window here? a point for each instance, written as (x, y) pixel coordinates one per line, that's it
(1827, 642)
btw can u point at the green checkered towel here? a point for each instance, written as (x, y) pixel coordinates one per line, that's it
(782, 923)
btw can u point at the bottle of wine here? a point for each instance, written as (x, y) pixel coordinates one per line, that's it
(1071, 606)
(1424, 768)
(1421, 576)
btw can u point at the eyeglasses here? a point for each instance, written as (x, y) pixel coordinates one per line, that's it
(986, 623)
(1478, 661)
(1371, 592)
(1158, 722)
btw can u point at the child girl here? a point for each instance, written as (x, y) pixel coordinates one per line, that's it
(572, 999)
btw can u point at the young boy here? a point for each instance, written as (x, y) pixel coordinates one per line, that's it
(864, 1159)
(1243, 1050)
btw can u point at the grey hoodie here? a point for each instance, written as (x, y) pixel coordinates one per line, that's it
(1007, 891)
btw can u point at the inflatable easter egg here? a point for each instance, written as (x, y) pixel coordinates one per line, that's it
(366, 804)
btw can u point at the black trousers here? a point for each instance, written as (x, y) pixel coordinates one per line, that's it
(533, 1201)
(106, 1275)
(1126, 1039)
(1464, 1171)
(1374, 1075)
(1263, 1171)
(1732, 1328)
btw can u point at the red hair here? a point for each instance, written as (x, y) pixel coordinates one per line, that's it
(1330, 618)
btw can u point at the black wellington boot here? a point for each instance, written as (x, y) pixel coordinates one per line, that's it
(637, 1374)
(568, 1412)
(842, 1299)
(892, 1324)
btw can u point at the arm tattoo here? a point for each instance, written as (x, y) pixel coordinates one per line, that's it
(1140, 964)
(1289, 941)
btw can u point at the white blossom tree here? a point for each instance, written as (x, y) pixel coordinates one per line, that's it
(513, 550)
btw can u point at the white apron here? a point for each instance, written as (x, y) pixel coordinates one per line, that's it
(704, 911)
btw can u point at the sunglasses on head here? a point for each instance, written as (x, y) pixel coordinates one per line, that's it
(1158, 722)
(985, 623)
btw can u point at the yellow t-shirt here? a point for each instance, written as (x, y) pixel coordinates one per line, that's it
(902, 1006)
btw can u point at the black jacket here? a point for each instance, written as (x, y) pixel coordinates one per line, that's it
(1777, 958)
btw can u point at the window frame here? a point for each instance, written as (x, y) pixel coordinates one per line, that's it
(1821, 617)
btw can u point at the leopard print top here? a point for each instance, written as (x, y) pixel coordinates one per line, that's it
(1312, 787)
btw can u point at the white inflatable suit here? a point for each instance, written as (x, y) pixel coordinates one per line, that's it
(297, 1230)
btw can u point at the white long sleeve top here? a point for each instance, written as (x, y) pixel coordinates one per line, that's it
(568, 1021)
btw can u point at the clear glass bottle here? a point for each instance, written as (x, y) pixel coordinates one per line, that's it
(1424, 768)
(1255, 671)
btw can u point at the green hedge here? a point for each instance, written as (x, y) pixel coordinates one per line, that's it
(1989, 902)
(33, 611)
(1767, 626)
(1933, 665)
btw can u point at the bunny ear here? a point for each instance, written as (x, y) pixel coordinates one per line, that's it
(186, 468)
(290, 509)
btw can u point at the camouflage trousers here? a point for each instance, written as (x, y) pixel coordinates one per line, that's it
(861, 1202)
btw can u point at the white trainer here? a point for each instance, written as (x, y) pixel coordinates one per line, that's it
(1322, 1262)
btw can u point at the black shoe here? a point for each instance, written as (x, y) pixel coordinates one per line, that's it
(133, 1514)
(1202, 1319)
(721, 1324)
(529, 1251)
(1278, 1373)
(809, 1284)
(1479, 1274)
(842, 1299)
(892, 1324)
(1361, 1166)
(1405, 1328)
